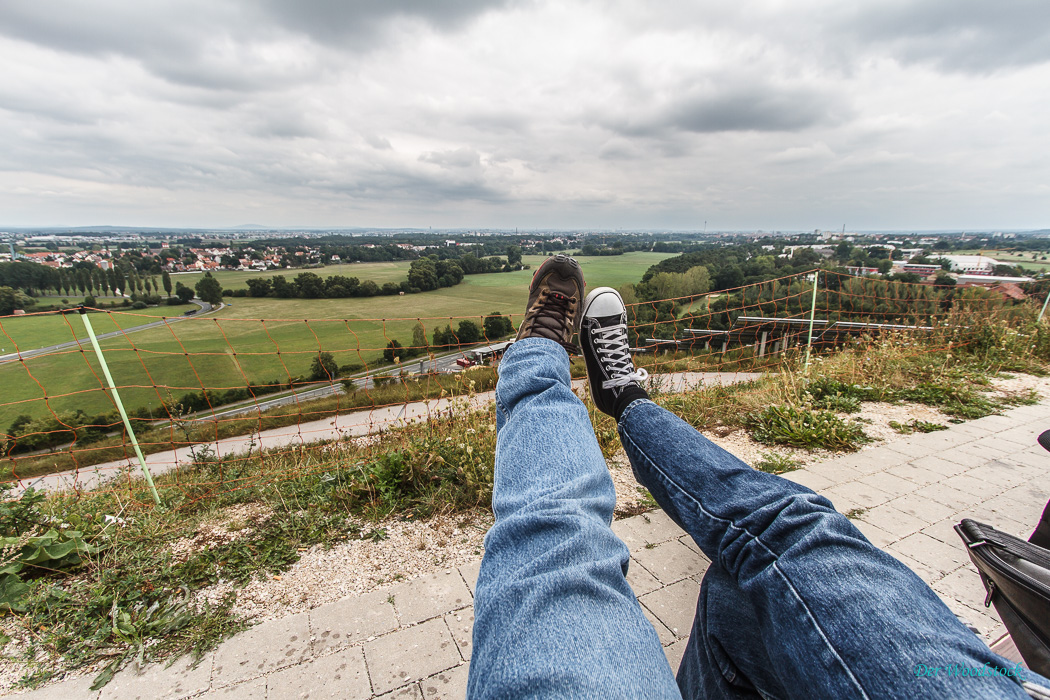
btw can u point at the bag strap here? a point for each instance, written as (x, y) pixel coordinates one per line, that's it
(985, 534)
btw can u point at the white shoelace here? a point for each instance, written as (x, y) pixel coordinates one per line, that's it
(611, 344)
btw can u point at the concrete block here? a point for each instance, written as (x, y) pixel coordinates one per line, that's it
(911, 450)
(934, 554)
(671, 561)
(809, 479)
(688, 542)
(888, 483)
(655, 527)
(73, 689)
(662, 631)
(944, 531)
(333, 677)
(893, 521)
(994, 446)
(927, 573)
(834, 471)
(470, 572)
(859, 493)
(916, 475)
(157, 682)
(675, 652)
(975, 487)
(674, 605)
(876, 535)
(954, 499)
(922, 508)
(433, 594)
(998, 472)
(624, 529)
(641, 581)
(268, 647)
(350, 620)
(250, 690)
(447, 685)
(410, 654)
(408, 692)
(461, 625)
(964, 585)
(941, 464)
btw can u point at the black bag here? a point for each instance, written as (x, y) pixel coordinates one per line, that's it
(1016, 575)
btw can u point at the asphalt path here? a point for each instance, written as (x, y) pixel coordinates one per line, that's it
(205, 308)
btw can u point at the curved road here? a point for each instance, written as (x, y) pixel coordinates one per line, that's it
(206, 308)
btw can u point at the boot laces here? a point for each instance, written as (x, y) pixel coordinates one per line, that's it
(559, 308)
(611, 344)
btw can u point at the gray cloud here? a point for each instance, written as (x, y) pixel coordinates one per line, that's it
(458, 158)
(955, 35)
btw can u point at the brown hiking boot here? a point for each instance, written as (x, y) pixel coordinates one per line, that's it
(554, 301)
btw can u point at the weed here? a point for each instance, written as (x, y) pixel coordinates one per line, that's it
(776, 463)
(647, 498)
(916, 426)
(854, 513)
(797, 427)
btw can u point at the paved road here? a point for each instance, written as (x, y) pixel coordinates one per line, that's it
(16, 356)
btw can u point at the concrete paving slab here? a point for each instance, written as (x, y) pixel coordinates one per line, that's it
(975, 487)
(469, 572)
(430, 595)
(410, 654)
(922, 508)
(158, 682)
(944, 531)
(461, 625)
(408, 692)
(921, 569)
(876, 535)
(860, 494)
(447, 685)
(628, 534)
(893, 521)
(952, 498)
(656, 527)
(641, 581)
(270, 646)
(888, 483)
(964, 585)
(333, 677)
(916, 475)
(941, 463)
(250, 690)
(932, 553)
(674, 605)
(675, 652)
(351, 620)
(671, 561)
(811, 480)
(72, 689)
(834, 471)
(662, 631)
(911, 451)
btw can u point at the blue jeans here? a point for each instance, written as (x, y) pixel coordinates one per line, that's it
(796, 602)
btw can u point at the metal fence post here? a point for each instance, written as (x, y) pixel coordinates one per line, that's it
(120, 404)
(1044, 306)
(812, 317)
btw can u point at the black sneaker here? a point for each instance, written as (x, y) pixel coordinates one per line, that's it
(603, 337)
(554, 301)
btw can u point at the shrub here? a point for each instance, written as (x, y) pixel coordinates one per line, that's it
(776, 463)
(139, 305)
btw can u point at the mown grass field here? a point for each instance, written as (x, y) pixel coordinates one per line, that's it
(22, 333)
(378, 272)
(234, 346)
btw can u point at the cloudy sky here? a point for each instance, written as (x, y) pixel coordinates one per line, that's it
(770, 114)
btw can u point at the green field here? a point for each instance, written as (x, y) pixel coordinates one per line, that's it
(22, 333)
(378, 272)
(226, 349)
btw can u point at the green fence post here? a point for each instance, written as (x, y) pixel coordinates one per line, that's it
(1044, 306)
(120, 404)
(812, 317)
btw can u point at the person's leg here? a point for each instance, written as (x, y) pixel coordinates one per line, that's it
(797, 603)
(554, 615)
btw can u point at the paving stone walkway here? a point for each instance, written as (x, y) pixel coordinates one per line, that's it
(413, 640)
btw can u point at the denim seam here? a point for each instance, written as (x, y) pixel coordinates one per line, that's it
(787, 581)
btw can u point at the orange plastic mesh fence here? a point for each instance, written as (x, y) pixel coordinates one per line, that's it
(236, 384)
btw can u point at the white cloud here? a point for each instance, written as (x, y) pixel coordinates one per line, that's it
(524, 113)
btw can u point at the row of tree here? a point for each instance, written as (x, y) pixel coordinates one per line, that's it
(83, 277)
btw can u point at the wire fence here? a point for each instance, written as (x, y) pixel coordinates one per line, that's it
(89, 395)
